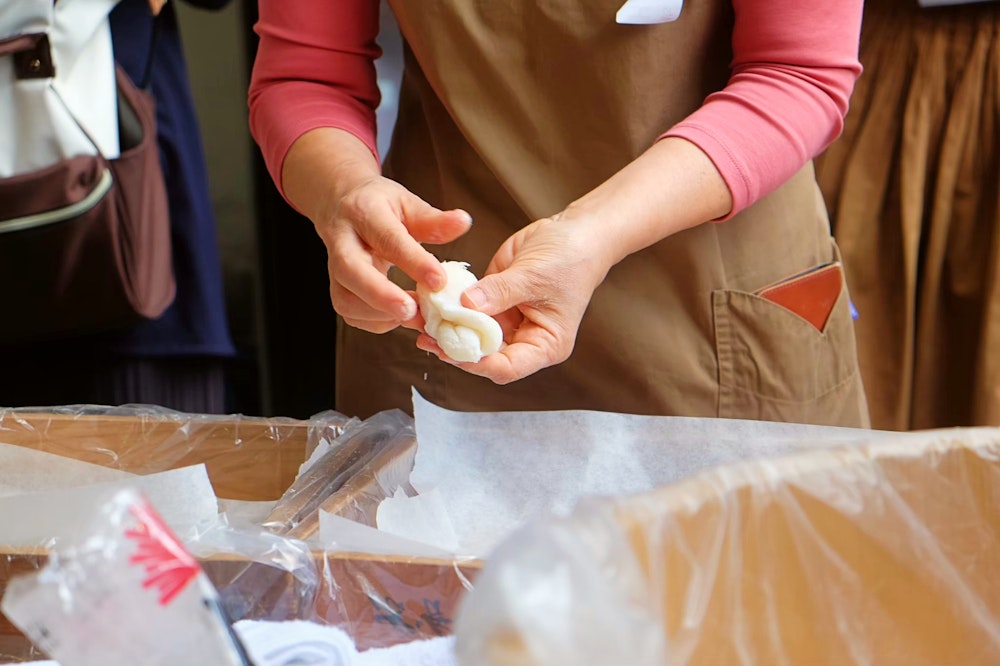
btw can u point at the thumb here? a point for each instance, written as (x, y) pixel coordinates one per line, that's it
(498, 292)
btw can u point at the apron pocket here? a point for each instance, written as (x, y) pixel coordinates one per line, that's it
(776, 366)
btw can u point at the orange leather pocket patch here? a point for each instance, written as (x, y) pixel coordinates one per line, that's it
(810, 295)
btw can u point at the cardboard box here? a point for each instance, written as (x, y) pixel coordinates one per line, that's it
(378, 600)
(885, 554)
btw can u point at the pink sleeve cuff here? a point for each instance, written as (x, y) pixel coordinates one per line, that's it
(733, 172)
(316, 106)
(794, 68)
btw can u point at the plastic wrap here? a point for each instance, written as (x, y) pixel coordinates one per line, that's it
(887, 553)
(387, 473)
(247, 458)
(251, 462)
(350, 476)
(124, 592)
(383, 600)
(260, 576)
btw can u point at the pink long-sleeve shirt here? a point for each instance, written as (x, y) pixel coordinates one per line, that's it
(794, 67)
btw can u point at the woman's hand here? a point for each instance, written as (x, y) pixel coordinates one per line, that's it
(373, 226)
(537, 286)
(542, 278)
(368, 224)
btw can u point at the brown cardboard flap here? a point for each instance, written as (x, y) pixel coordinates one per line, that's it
(247, 458)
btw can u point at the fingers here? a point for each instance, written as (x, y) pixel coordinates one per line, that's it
(359, 314)
(377, 327)
(430, 225)
(417, 322)
(513, 362)
(378, 225)
(533, 348)
(428, 344)
(356, 282)
(499, 292)
(376, 220)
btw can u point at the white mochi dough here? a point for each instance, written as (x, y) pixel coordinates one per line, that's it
(464, 334)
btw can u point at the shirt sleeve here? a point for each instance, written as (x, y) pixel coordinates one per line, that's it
(794, 67)
(315, 67)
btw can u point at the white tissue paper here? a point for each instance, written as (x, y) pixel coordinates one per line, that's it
(244, 513)
(423, 518)
(24, 470)
(301, 643)
(493, 471)
(340, 535)
(322, 448)
(184, 498)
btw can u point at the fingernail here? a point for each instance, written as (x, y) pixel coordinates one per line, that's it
(468, 216)
(436, 280)
(476, 296)
(408, 310)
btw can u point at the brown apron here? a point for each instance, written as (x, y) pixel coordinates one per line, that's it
(913, 187)
(511, 110)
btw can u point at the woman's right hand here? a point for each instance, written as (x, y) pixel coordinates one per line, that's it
(375, 225)
(368, 223)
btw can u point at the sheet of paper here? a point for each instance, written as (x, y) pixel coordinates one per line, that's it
(183, 497)
(340, 535)
(496, 470)
(25, 470)
(297, 643)
(423, 518)
(241, 513)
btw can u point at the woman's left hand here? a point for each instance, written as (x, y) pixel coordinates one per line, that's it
(537, 286)
(541, 280)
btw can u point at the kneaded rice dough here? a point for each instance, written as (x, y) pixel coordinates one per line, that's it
(464, 334)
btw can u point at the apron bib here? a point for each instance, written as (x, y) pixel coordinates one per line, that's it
(511, 111)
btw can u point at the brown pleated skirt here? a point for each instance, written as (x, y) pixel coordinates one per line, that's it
(912, 187)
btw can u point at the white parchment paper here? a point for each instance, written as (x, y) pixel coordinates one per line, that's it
(493, 471)
(183, 497)
(25, 470)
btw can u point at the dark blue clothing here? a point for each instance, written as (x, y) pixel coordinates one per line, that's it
(195, 324)
(177, 361)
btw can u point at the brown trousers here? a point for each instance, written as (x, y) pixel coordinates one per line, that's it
(912, 188)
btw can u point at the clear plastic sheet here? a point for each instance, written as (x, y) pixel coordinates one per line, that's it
(887, 553)
(381, 477)
(260, 576)
(247, 458)
(351, 476)
(383, 601)
(124, 591)
(379, 600)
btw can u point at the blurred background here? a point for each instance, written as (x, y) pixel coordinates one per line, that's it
(911, 187)
(274, 265)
